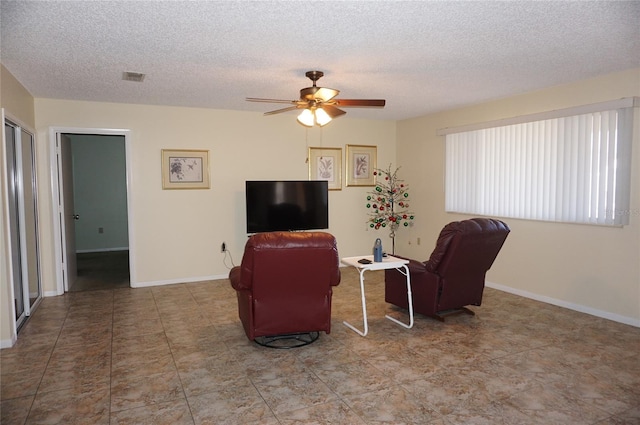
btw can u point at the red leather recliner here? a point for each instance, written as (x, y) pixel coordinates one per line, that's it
(284, 284)
(454, 275)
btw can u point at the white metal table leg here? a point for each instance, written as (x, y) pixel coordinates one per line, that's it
(410, 324)
(364, 309)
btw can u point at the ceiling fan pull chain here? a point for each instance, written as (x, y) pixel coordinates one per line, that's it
(306, 141)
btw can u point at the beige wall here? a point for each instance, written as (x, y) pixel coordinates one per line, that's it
(17, 104)
(176, 234)
(15, 99)
(589, 268)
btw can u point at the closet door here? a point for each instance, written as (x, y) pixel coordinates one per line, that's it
(30, 215)
(13, 181)
(23, 220)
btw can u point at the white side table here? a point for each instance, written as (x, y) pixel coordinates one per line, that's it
(388, 262)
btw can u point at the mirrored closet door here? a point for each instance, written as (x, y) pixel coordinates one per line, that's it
(23, 219)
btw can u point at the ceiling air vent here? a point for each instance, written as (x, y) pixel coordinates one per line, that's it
(133, 76)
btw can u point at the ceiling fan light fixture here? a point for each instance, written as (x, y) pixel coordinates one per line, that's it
(306, 118)
(322, 117)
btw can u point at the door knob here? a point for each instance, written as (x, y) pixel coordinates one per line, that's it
(76, 216)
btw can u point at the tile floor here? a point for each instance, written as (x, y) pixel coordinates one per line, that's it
(177, 355)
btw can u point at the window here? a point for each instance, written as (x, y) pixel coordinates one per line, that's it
(566, 166)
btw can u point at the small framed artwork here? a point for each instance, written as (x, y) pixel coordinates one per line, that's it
(185, 169)
(326, 164)
(361, 163)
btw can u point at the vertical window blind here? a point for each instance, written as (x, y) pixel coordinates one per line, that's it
(572, 168)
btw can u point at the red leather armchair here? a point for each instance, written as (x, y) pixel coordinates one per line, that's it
(454, 275)
(284, 284)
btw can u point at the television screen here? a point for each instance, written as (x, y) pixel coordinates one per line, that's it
(287, 205)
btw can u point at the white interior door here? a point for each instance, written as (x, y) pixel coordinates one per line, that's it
(68, 219)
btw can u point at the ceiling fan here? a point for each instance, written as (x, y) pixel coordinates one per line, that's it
(319, 104)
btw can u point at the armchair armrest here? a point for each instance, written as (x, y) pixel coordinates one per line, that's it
(335, 281)
(236, 281)
(415, 266)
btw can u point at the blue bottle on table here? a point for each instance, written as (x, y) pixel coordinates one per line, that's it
(377, 251)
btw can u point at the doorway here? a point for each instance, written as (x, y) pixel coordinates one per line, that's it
(94, 211)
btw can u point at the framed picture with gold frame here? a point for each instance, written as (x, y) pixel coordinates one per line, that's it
(185, 169)
(361, 163)
(326, 164)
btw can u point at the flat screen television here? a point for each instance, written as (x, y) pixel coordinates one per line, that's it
(287, 205)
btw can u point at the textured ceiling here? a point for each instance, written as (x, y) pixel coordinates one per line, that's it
(421, 57)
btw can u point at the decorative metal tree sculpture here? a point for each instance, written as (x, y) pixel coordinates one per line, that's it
(389, 203)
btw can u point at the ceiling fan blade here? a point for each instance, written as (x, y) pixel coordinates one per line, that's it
(277, 111)
(360, 102)
(258, 99)
(332, 111)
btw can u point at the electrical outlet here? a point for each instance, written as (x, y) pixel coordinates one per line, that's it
(100, 229)
(223, 248)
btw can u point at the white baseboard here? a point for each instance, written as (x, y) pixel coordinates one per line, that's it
(88, 251)
(8, 343)
(571, 306)
(176, 281)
